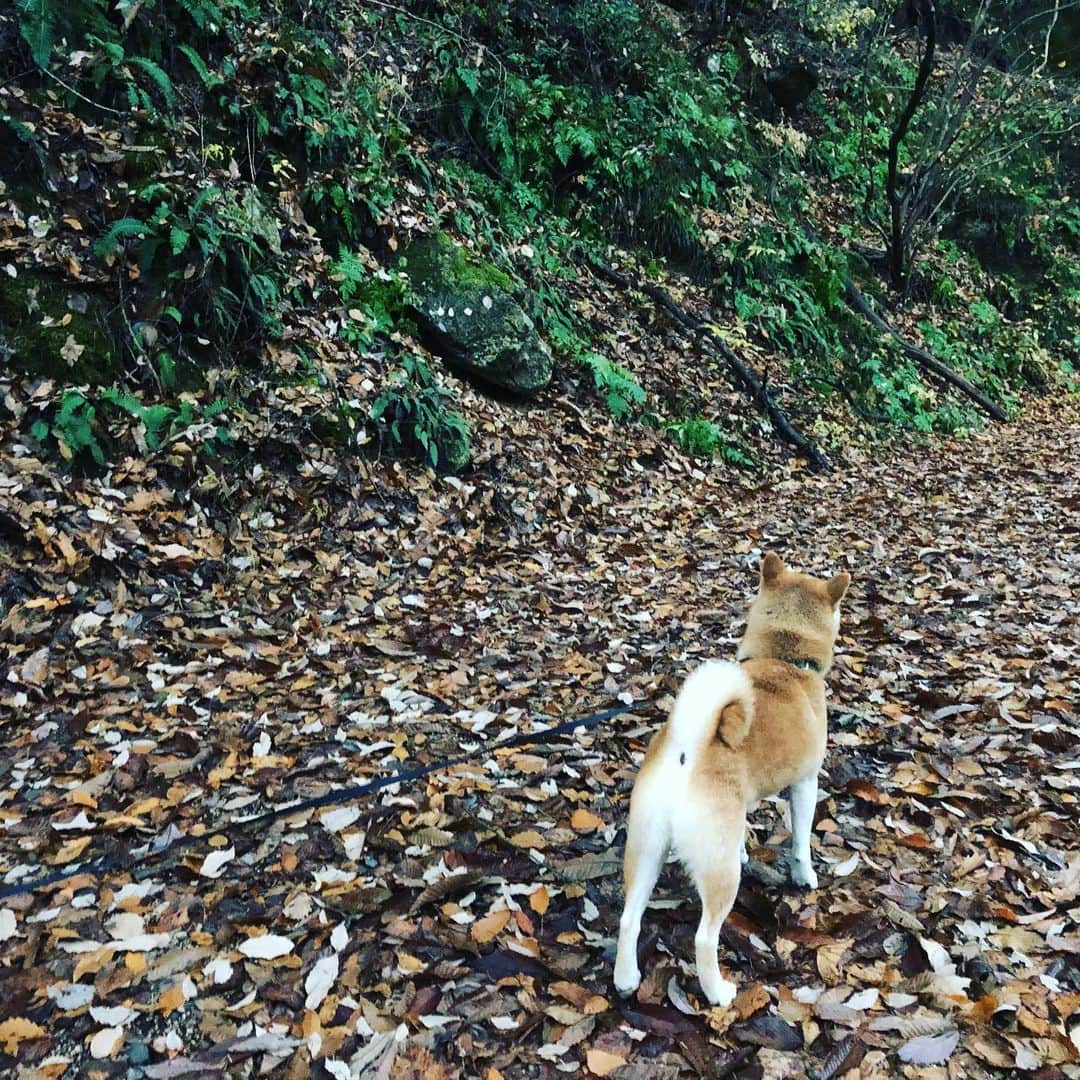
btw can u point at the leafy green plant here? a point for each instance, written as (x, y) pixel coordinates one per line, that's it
(73, 428)
(375, 301)
(621, 391)
(705, 439)
(215, 256)
(80, 425)
(44, 23)
(415, 416)
(114, 64)
(160, 422)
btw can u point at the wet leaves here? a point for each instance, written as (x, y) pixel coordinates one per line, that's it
(178, 663)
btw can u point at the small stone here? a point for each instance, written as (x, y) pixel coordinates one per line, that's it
(138, 1053)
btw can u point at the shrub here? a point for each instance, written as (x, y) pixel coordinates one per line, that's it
(415, 417)
(705, 439)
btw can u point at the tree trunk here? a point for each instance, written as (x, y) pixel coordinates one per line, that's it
(900, 200)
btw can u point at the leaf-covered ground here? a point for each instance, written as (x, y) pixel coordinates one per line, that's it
(178, 657)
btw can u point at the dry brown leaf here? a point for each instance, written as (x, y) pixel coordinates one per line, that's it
(16, 1030)
(601, 1062)
(584, 821)
(539, 900)
(529, 838)
(487, 928)
(830, 960)
(749, 1000)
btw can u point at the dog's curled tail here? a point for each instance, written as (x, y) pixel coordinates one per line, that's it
(716, 702)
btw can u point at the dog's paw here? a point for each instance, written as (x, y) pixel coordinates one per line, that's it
(719, 991)
(627, 980)
(802, 873)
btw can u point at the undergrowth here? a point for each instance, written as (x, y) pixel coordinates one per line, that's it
(544, 133)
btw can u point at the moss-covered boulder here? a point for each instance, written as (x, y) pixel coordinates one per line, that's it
(467, 315)
(48, 327)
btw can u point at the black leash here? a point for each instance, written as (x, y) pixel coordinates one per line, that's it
(98, 867)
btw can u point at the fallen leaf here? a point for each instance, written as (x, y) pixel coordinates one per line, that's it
(487, 928)
(266, 947)
(929, 1049)
(602, 1063)
(17, 1030)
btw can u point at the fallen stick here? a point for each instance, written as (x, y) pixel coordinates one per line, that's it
(743, 375)
(921, 356)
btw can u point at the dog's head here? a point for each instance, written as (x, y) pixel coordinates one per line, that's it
(794, 616)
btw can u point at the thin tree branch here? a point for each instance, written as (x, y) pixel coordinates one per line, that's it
(746, 378)
(921, 356)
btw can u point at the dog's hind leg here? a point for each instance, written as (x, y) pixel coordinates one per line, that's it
(803, 803)
(646, 848)
(717, 882)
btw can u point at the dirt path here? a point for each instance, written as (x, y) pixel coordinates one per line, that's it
(174, 665)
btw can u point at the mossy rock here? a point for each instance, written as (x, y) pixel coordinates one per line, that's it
(467, 315)
(54, 329)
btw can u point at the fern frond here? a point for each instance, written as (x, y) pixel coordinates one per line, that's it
(157, 76)
(209, 79)
(119, 230)
(37, 24)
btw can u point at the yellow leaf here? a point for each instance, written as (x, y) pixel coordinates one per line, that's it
(539, 900)
(16, 1030)
(602, 1063)
(584, 821)
(171, 1000)
(485, 929)
(70, 851)
(92, 962)
(410, 963)
(529, 838)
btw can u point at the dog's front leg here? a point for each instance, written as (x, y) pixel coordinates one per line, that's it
(803, 803)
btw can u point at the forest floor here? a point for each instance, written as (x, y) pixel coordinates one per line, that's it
(180, 657)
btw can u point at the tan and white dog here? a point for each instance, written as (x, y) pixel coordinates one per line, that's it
(737, 733)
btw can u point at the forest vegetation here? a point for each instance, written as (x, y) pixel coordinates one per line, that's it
(382, 383)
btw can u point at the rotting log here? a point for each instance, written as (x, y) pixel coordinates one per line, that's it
(921, 357)
(747, 379)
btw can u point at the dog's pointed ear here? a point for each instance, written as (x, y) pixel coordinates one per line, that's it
(772, 566)
(837, 586)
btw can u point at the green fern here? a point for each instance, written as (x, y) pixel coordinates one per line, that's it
(178, 239)
(209, 79)
(119, 230)
(201, 12)
(157, 76)
(622, 392)
(38, 26)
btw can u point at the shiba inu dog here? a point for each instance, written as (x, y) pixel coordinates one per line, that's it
(737, 733)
